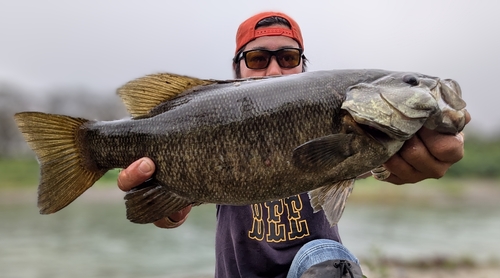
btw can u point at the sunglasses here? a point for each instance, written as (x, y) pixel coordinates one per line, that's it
(260, 58)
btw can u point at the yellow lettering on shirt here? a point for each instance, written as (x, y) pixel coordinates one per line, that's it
(277, 228)
(257, 231)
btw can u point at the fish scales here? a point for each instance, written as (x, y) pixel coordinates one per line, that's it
(244, 137)
(242, 141)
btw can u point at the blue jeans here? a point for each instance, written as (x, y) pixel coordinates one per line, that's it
(318, 251)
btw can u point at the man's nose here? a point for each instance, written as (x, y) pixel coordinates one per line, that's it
(273, 68)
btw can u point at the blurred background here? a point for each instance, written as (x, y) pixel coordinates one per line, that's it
(70, 56)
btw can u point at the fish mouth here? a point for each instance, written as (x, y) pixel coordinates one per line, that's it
(451, 107)
(452, 94)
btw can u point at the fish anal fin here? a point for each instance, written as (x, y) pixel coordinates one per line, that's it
(323, 153)
(145, 93)
(151, 202)
(332, 199)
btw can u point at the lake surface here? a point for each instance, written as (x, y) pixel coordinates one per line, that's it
(93, 238)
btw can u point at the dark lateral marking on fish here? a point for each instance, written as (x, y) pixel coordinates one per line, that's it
(323, 153)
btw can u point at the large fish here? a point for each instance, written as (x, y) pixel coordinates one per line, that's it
(242, 141)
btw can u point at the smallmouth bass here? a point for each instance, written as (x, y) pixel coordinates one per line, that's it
(242, 141)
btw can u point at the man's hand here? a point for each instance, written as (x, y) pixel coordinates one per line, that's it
(137, 173)
(428, 154)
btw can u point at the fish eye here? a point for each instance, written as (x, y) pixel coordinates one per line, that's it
(411, 80)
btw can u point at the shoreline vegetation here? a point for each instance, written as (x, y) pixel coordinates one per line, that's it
(19, 180)
(442, 192)
(19, 187)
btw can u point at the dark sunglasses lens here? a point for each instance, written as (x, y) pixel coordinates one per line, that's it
(257, 59)
(288, 58)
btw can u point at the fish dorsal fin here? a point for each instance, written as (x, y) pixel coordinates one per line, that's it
(144, 93)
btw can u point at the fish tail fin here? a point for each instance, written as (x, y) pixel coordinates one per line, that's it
(66, 172)
(332, 199)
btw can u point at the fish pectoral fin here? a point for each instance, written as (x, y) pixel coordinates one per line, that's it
(332, 199)
(323, 153)
(143, 94)
(151, 202)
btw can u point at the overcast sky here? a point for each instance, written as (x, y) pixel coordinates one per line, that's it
(103, 44)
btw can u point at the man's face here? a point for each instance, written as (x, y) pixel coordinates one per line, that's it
(269, 43)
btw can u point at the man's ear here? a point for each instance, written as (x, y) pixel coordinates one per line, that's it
(235, 76)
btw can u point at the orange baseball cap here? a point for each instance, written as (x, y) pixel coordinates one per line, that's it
(246, 31)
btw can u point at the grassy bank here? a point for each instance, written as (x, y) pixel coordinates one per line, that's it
(443, 192)
(24, 173)
(19, 173)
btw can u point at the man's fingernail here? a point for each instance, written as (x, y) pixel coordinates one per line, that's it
(144, 167)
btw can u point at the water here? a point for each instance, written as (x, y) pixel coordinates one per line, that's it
(93, 239)
(410, 232)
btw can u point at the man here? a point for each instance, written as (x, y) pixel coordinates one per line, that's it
(284, 238)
